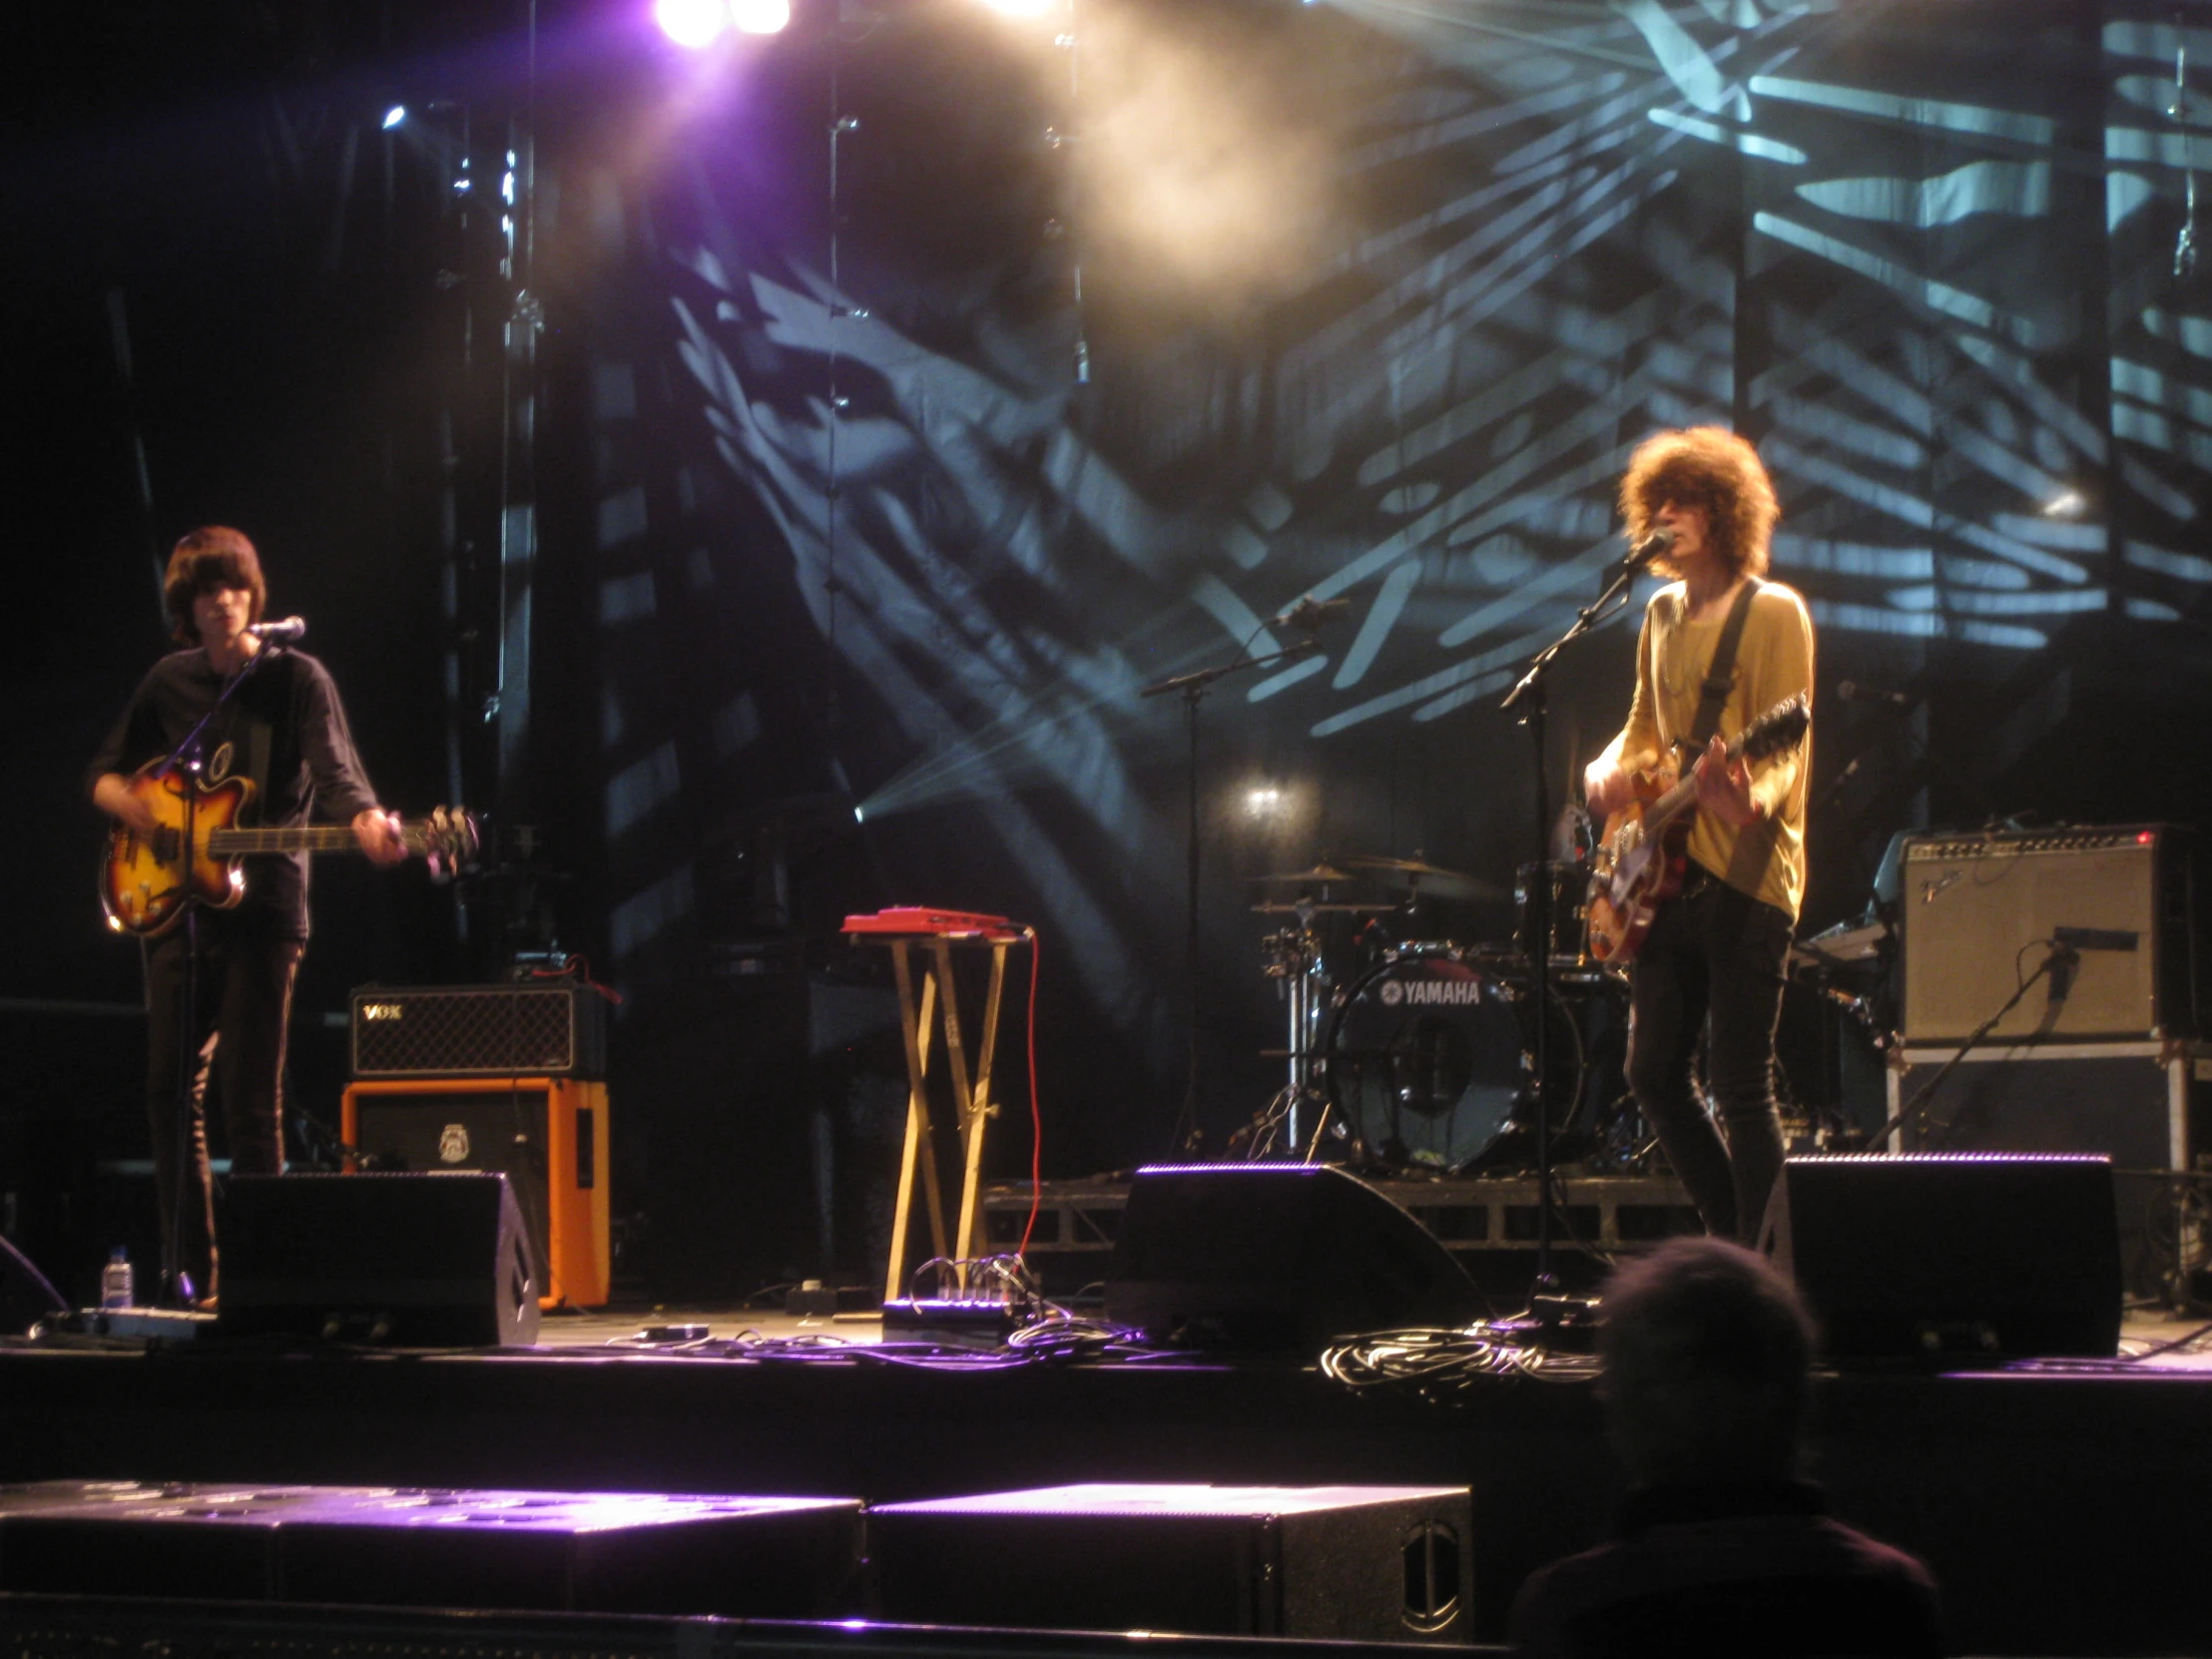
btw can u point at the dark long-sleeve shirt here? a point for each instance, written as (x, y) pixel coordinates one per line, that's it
(1756, 1571)
(284, 729)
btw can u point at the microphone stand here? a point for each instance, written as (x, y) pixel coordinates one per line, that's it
(186, 757)
(1528, 696)
(2058, 962)
(1193, 688)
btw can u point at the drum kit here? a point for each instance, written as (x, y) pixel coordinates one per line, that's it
(1412, 1055)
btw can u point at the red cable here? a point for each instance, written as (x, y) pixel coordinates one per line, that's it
(1036, 1118)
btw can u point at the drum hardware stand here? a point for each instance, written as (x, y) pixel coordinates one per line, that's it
(1549, 1310)
(1193, 688)
(1296, 969)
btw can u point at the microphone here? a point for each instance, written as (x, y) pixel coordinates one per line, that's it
(1649, 548)
(288, 631)
(2095, 938)
(1850, 691)
(1309, 613)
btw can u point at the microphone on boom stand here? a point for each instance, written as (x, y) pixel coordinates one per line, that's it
(1309, 613)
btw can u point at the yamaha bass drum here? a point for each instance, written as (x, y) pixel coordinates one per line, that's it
(1429, 1060)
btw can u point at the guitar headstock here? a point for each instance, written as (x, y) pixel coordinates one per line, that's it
(449, 842)
(1782, 726)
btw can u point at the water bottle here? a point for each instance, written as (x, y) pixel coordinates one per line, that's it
(115, 1281)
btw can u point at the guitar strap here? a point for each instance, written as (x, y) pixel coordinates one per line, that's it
(1720, 678)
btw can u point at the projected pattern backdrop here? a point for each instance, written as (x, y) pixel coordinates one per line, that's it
(1376, 300)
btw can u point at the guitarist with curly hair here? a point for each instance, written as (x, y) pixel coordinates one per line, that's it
(285, 731)
(1719, 644)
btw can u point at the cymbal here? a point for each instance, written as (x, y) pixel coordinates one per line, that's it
(1423, 876)
(1272, 907)
(1308, 877)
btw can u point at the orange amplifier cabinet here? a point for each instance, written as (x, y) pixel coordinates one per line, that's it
(547, 1135)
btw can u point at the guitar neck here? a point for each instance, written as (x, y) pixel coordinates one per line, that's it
(1670, 805)
(314, 837)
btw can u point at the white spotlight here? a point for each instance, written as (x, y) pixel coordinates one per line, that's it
(760, 17)
(394, 116)
(691, 23)
(1020, 8)
(2067, 503)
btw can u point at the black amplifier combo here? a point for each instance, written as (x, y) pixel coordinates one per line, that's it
(550, 1030)
(1979, 912)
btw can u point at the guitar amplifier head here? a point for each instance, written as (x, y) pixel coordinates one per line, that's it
(479, 1031)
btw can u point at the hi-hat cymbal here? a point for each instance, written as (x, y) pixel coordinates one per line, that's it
(1277, 908)
(1419, 876)
(1324, 872)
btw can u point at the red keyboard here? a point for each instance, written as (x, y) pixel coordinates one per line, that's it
(925, 919)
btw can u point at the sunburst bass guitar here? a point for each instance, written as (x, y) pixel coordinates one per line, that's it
(146, 877)
(1641, 859)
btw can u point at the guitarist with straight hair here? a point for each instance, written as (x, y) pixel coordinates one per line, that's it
(1712, 960)
(283, 729)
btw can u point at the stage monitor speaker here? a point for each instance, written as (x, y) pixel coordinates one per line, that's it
(1952, 1257)
(607, 1552)
(1978, 909)
(1358, 1563)
(420, 1260)
(613, 1552)
(556, 1030)
(1276, 1258)
(547, 1135)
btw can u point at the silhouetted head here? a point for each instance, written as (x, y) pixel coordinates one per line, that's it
(1707, 1352)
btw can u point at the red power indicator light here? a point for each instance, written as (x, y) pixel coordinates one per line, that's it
(2144, 838)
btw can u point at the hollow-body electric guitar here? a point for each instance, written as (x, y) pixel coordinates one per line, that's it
(1641, 859)
(147, 878)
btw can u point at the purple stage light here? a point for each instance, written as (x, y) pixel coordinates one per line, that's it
(691, 23)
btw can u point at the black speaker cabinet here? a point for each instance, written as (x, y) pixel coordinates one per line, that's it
(1360, 1563)
(1976, 910)
(173, 1538)
(1952, 1256)
(547, 1135)
(614, 1553)
(623, 1552)
(423, 1261)
(556, 1030)
(1276, 1258)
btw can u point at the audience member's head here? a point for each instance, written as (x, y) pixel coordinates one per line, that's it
(1706, 1352)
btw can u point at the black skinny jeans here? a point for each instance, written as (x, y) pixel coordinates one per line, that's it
(1712, 965)
(237, 1032)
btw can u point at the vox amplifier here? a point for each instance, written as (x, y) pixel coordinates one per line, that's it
(479, 1031)
(1979, 912)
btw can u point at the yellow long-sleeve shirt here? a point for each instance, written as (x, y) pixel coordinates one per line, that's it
(1773, 660)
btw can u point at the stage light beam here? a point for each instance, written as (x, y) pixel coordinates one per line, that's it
(394, 116)
(693, 24)
(760, 17)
